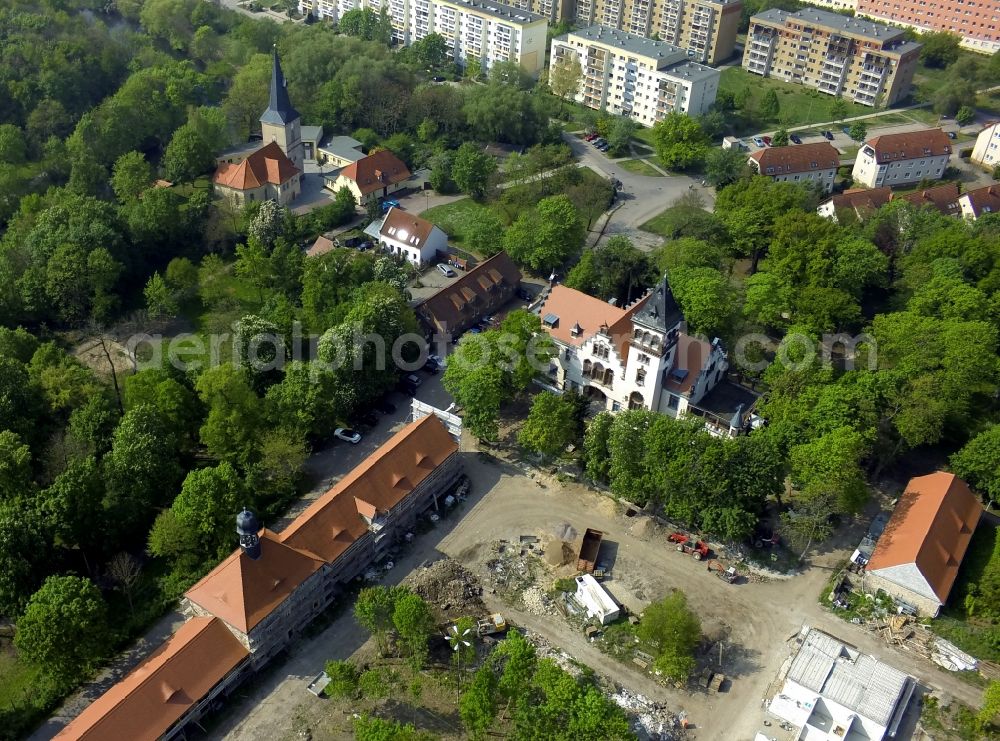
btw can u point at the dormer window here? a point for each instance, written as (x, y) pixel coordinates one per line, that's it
(576, 330)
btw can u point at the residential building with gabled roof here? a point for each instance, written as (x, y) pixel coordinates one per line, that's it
(636, 357)
(408, 236)
(176, 683)
(986, 151)
(900, 159)
(374, 176)
(980, 201)
(478, 293)
(918, 555)
(798, 163)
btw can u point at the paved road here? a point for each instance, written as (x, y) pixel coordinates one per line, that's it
(643, 196)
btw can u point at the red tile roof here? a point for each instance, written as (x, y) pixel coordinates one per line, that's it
(376, 171)
(157, 693)
(984, 200)
(931, 528)
(243, 591)
(266, 165)
(692, 355)
(910, 145)
(451, 306)
(398, 223)
(576, 310)
(334, 521)
(862, 199)
(942, 197)
(321, 246)
(796, 158)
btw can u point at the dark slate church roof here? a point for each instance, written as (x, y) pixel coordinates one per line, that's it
(279, 109)
(660, 312)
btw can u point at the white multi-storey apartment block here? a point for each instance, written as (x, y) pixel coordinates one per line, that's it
(899, 159)
(487, 32)
(634, 76)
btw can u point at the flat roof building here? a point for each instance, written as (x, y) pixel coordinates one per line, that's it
(595, 599)
(634, 76)
(834, 692)
(851, 58)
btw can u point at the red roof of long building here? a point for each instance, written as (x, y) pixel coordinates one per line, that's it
(157, 693)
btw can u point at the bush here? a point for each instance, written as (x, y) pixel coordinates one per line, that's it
(343, 679)
(374, 684)
(566, 585)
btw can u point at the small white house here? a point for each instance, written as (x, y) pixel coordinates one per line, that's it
(901, 159)
(402, 233)
(596, 600)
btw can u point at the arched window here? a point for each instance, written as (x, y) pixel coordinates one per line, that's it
(587, 367)
(635, 401)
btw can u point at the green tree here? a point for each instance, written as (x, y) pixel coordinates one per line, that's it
(831, 464)
(565, 76)
(231, 429)
(679, 141)
(780, 138)
(838, 109)
(472, 170)
(208, 501)
(620, 134)
(595, 447)
(615, 269)
(161, 302)
(370, 728)
(939, 48)
(414, 622)
(343, 679)
(991, 705)
(674, 630)
(978, 462)
(551, 425)
(15, 466)
(64, 629)
(546, 236)
(769, 105)
(858, 131)
(483, 232)
(365, 23)
(13, 149)
(72, 506)
(181, 277)
(130, 176)
(706, 298)
(478, 705)
(477, 387)
(24, 553)
(965, 115)
(431, 52)
(520, 661)
(725, 166)
(141, 470)
(374, 609)
(188, 155)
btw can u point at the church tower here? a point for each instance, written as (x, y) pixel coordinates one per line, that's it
(280, 122)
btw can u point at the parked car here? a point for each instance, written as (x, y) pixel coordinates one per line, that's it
(598, 141)
(347, 435)
(438, 78)
(446, 271)
(590, 137)
(604, 147)
(952, 135)
(410, 383)
(433, 364)
(386, 407)
(828, 135)
(525, 295)
(759, 142)
(796, 139)
(846, 130)
(767, 140)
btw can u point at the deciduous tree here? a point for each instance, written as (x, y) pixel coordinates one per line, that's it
(675, 631)
(472, 170)
(551, 425)
(680, 141)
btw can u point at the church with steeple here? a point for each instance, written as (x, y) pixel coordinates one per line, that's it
(272, 171)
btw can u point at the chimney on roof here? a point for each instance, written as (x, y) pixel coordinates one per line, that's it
(247, 527)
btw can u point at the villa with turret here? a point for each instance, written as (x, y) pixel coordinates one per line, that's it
(636, 357)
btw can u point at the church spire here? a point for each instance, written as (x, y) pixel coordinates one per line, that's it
(279, 110)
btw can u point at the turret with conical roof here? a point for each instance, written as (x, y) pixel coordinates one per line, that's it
(247, 528)
(280, 122)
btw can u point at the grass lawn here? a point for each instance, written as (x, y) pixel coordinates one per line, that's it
(799, 105)
(646, 136)
(16, 679)
(451, 217)
(658, 224)
(639, 168)
(186, 189)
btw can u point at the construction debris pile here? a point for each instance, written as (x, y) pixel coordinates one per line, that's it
(513, 569)
(536, 601)
(450, 586)
(650, 720)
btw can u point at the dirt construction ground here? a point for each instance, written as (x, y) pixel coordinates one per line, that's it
(759, 618)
